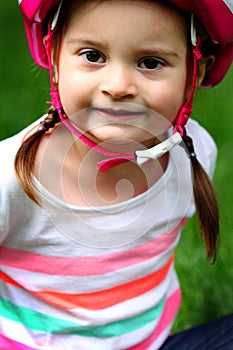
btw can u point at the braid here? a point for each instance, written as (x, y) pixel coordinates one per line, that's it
(205, 202)
(50, 121)
(25, 157)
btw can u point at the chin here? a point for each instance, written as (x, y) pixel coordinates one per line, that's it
(118, 136)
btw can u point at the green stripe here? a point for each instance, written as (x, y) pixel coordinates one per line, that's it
(41, 322)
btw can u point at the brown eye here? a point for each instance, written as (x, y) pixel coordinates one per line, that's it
(93, 56)
(150, 63)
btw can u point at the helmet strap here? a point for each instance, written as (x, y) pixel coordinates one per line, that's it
(186, 110)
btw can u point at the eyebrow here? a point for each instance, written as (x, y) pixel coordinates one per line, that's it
(86, 42)
(159, 51)
(143, 50)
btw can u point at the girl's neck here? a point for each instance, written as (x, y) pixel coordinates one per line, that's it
(68, 170)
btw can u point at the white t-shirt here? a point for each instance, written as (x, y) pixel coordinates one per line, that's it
(93, 278)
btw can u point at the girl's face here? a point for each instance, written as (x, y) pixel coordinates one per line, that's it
(119, 59)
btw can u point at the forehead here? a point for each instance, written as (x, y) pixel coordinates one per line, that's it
(123, 14)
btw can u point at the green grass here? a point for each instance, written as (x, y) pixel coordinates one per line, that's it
(207, 289)
(24, 87)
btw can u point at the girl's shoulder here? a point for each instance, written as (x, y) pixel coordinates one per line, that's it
(204, 145)
(10, 145)
(197, 131)
(8, 150)
(14, 203)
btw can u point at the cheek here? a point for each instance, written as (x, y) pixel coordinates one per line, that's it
(168, 99)
(73, 95)
(73, 88)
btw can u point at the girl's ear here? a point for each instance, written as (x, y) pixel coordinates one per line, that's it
(204, 65)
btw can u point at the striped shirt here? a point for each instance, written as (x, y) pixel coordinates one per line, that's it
(93, 278)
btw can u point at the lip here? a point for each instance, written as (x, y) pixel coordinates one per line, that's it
(118, 114)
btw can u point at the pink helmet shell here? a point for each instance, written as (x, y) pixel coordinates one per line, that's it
(34, 13)
(216, 16)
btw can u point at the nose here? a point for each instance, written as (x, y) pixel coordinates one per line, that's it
(119, 82)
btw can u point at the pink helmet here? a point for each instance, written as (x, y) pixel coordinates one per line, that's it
(216, 15)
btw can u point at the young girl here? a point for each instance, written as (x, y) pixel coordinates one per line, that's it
(94, 195)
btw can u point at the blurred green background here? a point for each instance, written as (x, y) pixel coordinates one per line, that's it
(207, 289)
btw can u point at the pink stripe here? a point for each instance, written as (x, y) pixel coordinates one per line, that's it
(170, 311)
(86, 266)
(7, 344)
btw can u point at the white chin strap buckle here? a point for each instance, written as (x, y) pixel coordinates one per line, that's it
(159, 150)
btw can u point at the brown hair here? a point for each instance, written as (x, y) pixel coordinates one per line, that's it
(26, 154)
(204, 195)
(205, 202)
